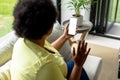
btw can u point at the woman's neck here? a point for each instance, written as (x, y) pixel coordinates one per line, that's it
(40, 42)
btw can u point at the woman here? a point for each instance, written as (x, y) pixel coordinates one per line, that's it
(34, 58)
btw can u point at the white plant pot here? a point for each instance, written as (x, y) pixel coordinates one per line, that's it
(79, 20)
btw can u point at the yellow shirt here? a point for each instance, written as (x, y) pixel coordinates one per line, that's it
(32, 62)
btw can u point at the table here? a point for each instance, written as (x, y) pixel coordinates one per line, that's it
(84, 29)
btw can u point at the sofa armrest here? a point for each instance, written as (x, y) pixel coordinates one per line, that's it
(6, 46)
(93, 66)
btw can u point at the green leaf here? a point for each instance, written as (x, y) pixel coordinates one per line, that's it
(77, 4)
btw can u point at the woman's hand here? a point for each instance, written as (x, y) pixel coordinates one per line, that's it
(57, 44)
(65, 33)
(81, 54)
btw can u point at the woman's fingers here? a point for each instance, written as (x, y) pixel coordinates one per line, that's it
(79, 46)
(73, 51)
(81, 54)
(88, 51)
(85, 46)
(82, 48)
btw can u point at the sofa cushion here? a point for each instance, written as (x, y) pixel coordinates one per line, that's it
(92, 66)
(65, 51)
(5, 71)
(6, 46)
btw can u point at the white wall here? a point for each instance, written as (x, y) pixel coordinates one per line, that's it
(67, 13)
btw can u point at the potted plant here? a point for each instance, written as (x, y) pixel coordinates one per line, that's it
(76, 5)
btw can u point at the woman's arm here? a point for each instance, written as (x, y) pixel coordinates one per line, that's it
(62, 39)
(79, 58)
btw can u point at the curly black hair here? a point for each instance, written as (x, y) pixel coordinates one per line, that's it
(33, 18)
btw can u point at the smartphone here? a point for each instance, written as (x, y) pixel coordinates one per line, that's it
(72, 26)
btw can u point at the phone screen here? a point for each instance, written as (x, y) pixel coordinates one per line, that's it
(72, 26)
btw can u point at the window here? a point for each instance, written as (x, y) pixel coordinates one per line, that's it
(104, 15)
(6, 18)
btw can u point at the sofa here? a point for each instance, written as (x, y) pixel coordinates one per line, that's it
(92, 64)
